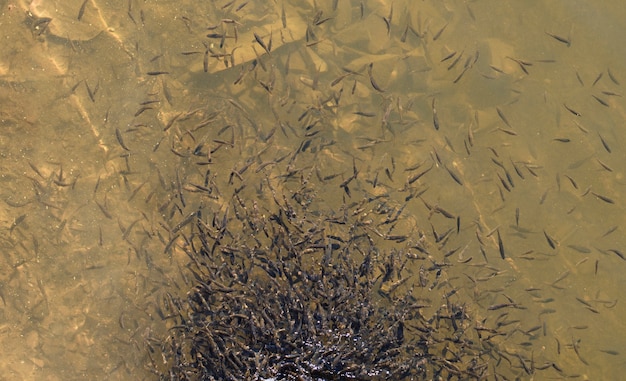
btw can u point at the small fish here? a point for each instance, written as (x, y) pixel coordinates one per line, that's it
(120, 140)
(260, 41)
(550, 240)
(603, 198)
(604, 143)
(560, 39)
(501, 115)
(574, 112)
(500, 245)
(600, 100)
(81, 11)
(454, 176)
(618, 253)
(17, 221)
(435, 116)
(372, 81)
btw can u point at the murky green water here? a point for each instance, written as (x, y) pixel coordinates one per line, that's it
(116, 116)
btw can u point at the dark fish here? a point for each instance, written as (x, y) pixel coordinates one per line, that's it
(597, 79)
(17, 221)
(500, 245)
(92, 94)
(604, 144)
(81, 11)
(501, 115)
(260, 41)
(603, 198)
(413, 179)
(372, 81)
(574, 112)
(618, 253)
(612, 77)
(440, 32)
(600, 100)
(560, 39)
(435, 116)
(120, 140)
(454, 176)
(550, 240)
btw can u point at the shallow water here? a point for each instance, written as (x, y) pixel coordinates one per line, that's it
(98, 132)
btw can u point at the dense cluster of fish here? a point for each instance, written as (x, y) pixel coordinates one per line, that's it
(291, 292)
